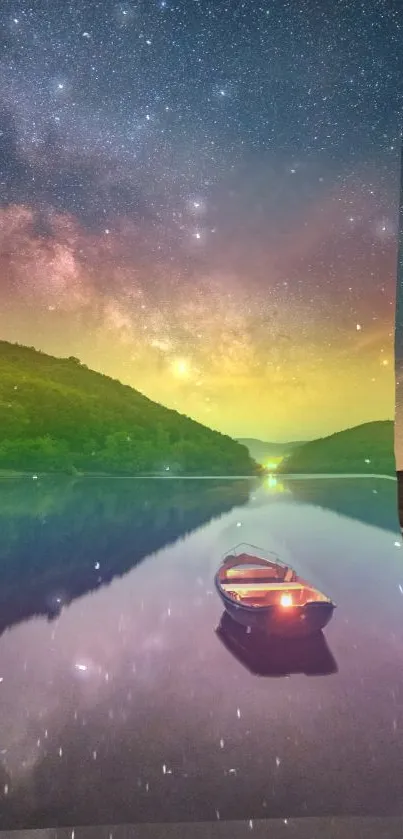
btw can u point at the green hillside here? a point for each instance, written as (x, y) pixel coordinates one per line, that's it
(400, 497)
(56, 415)
(367, 448)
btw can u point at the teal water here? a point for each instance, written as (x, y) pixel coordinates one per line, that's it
(119, 702)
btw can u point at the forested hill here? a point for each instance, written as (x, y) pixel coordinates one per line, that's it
(57, 415)
(365, 449)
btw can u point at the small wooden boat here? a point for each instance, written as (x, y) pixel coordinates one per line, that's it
(267, 594)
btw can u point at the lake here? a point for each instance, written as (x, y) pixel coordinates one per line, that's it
(119, 700)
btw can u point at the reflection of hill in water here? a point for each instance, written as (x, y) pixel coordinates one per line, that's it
(375, 503)
(62, 539)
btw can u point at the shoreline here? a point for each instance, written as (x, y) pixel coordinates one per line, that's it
(398, 476)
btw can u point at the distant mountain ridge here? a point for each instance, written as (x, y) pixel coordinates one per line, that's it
(364, 449)
(56, 415)
(262, 450)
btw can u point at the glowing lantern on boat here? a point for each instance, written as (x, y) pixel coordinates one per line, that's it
(286, 600)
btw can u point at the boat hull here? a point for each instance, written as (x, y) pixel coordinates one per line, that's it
(268, 595)
(302, 620)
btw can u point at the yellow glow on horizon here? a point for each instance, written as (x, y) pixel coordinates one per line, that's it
(334, 392)
(319, 388)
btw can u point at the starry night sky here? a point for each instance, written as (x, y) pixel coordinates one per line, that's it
(201, 200)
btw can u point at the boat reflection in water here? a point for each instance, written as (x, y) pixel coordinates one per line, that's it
(267, 594)
(270, 655)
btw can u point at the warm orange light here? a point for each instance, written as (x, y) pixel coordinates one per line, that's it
(286, 600)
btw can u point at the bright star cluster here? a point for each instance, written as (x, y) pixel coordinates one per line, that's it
(201, 200)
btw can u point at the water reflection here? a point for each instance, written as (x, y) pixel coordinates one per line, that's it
(370, 500)
(127, 708)
(60, 539)
(276, 657)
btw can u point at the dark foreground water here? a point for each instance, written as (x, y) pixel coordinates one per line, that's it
(119, 701)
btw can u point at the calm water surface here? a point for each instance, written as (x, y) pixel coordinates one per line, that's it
(119, 702)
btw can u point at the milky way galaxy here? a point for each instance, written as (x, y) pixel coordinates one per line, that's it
(200, 199)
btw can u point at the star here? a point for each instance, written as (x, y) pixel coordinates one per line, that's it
(180, 367)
